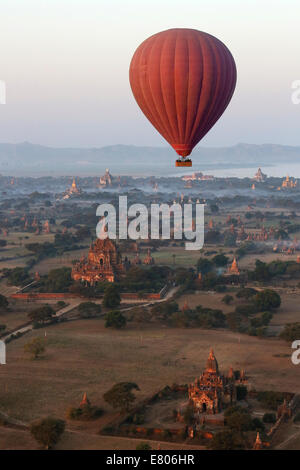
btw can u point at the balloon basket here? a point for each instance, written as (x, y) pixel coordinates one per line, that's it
(183, 163)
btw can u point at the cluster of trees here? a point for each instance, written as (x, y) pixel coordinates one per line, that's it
(137, 279)
(270, 399)
(291, 332)
(168, 312)
(265, 272)
(248, 247)
(260, 306)
(57, 280)
(140, 279)
(89, 310)
(3, 243)
(17, 276)
(238, 422)
(62, 242)
(85, 412)
(3, 303)
(205, 265)
(41, 315)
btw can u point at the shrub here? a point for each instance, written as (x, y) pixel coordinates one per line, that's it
(89, 310)
(291, 332)
(270, 399)
(143, 446)
(270, 418)
(257, 425)
(227, 299)
(227, 440)
(84, 413)
(3, 302)
(241, 392)
(246, 293)
(297, 417)
(246, 310)
(111, 297)
(115, 319)
(266, 300)
(189, 415)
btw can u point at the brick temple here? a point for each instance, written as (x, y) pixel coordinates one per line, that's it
(103, 263)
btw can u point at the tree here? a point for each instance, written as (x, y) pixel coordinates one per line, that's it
(220, 260)
(227, 299)
(18, 276)
(111, 298)
(270, 399)
(143, 446)
(58, 280)
(214, 208)
(212, 237)
(267, 300)
(291, 332)
(227, 440)
(241, 392)
(3, 302)
(89, 309)
(42, 314)
(115, 319)
(35, 347)
(47, 431)
(269, 418)
(258, 425)
(234, 321)
(246, 310)
(189, 415)
(85, 412)
(261, 271)
(238, 419)
(204, 265)
(121, 396)
(246, 293)
(230, 239)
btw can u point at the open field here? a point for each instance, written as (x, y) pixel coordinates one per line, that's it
(84, 356)
(11, 439)
(17, 314)
(208, 299)
(44, 266)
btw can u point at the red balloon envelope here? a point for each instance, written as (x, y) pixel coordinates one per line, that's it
(183, 80)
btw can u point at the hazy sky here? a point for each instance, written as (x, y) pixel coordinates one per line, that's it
(65, 64)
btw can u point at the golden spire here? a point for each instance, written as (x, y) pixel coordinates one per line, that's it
(257, 443)
(85, 400)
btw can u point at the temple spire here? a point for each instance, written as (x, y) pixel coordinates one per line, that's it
(258, 443)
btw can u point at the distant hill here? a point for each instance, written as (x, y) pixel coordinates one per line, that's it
(26, 158)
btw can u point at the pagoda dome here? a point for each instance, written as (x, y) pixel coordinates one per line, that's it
(212, 363)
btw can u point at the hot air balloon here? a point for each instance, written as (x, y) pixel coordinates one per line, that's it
(183, 80)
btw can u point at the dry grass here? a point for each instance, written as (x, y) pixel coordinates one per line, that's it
(84, 356)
